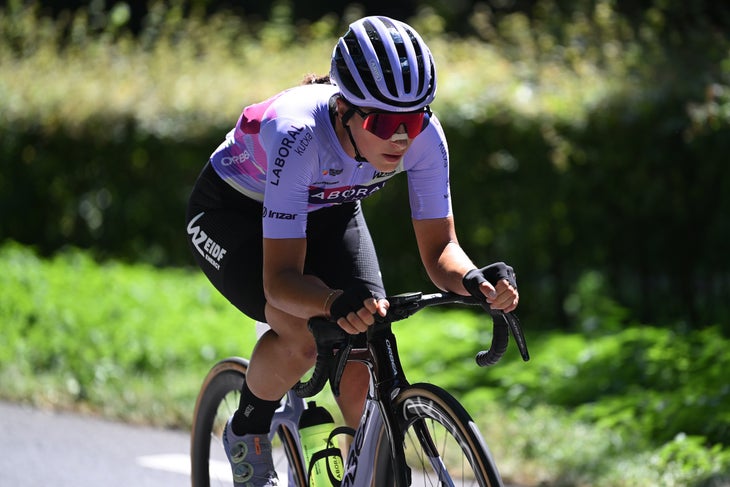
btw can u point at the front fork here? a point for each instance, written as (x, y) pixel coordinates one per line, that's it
(387, 367)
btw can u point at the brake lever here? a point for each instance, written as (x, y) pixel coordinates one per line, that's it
(340, 361)
(516, 329)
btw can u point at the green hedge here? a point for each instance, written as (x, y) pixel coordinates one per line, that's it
(585, 146)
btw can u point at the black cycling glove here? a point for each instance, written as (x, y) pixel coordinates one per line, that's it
(349, 301)
(492, 273)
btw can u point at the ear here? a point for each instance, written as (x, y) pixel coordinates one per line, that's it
(344, 110)
(341, 106)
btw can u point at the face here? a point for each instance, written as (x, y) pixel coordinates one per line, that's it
(381, 137)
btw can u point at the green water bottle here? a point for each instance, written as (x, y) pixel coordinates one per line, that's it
(322, 458)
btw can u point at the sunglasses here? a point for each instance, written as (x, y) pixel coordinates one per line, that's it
(385, 124)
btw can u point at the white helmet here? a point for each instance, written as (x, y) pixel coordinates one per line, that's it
(384, 64)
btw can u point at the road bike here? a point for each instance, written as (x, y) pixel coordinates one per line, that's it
(409, 434)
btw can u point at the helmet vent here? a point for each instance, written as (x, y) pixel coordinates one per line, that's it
(383, 63)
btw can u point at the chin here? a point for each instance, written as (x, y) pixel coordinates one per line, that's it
(385, 164)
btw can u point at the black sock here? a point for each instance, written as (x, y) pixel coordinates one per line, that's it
(254, 415)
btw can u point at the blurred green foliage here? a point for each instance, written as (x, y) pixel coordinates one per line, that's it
(586, 138)
(111, 337)
(641, 377)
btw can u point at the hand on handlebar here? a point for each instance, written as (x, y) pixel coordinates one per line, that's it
(494, 284)
(355, 308)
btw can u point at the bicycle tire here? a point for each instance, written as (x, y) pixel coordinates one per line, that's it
(462, 456)
(217, 400)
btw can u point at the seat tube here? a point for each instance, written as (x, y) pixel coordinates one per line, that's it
(288, 414)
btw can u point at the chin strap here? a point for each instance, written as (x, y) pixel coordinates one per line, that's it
(346, 118)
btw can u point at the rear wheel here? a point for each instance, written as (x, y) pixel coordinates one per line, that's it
(217, 401)
(441, 442)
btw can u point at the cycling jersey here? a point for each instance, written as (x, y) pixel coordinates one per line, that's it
(284, 152)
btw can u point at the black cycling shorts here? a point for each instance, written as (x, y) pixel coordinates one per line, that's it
(225, 235)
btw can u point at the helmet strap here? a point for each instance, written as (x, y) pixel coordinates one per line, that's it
(346, 118)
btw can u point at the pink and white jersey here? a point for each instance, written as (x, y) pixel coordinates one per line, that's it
(284, 152)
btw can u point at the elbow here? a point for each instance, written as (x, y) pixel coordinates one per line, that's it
(270, 287)
(436, 275)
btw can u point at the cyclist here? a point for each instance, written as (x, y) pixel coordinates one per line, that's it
(275, 221)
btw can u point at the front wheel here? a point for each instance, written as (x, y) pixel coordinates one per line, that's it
(217, 401)
(442, 444)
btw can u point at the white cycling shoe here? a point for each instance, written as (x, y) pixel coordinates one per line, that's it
(251, 459)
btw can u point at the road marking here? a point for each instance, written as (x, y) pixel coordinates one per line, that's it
(180, 463)
(172, 462)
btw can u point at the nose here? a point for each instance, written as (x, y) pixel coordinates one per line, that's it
(400, 137)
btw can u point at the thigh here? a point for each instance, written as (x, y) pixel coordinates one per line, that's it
(340, 250)
(224, 234)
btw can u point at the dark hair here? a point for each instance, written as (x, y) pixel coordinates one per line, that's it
(315, 79)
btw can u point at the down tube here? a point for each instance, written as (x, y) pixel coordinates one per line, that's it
(363, 452)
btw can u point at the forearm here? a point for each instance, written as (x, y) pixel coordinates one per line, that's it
(299, 295)
(445, 261)
(447, 269)
(286, 287)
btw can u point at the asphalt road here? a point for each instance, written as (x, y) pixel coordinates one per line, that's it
(44, 449)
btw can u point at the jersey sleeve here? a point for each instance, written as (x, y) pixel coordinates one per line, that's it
(427, 168)
(292, 158)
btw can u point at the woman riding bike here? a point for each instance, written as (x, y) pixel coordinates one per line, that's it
(275, 221)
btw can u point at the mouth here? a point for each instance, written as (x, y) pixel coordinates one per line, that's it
(393, 158)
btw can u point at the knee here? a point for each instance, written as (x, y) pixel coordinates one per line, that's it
(303, 351)
(293, 337)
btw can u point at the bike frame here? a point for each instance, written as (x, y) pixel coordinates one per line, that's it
(381, 358)
(387, 380)
(288, 415)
